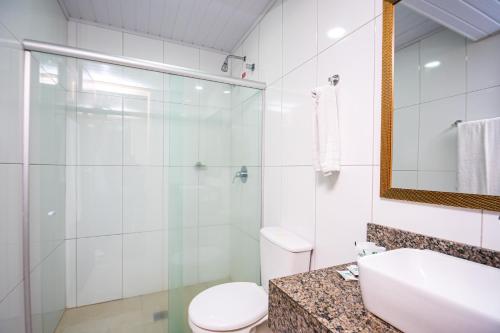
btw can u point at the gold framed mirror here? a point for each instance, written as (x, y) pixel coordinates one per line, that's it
(428, 106)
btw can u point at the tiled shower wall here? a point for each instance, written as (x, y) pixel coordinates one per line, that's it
(219, 214)
(429, 100)
(42, 20)
(293, 54)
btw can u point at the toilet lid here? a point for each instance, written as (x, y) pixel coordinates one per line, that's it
(228, 306)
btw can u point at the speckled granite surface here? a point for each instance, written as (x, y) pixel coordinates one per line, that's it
(320, 301)
(395, 238)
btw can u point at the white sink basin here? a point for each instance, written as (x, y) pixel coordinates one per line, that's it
(426, 291)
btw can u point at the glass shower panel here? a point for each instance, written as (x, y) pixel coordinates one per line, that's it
(213, 216)
(50, 99)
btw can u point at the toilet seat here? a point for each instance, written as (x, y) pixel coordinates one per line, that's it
(228, 307)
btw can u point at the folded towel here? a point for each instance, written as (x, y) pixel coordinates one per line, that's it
(326, 136)
(478, 156)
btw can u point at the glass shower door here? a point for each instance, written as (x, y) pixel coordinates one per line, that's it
(213, 215)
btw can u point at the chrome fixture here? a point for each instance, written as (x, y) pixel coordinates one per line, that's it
(242, 174)
(334, 79)
(225, 65)
(199, 165)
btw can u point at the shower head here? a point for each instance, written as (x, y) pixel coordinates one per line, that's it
(225, 65)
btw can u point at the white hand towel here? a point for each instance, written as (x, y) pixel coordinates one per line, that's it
(326, 136)
(478, 156)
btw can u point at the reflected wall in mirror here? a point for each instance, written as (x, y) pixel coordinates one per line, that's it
(441, 106)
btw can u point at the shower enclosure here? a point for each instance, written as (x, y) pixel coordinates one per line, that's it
(140, 179)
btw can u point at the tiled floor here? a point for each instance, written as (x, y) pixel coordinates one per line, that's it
(130, 315)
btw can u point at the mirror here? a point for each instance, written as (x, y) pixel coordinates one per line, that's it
(441, 107)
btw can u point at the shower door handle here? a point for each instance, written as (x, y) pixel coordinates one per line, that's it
(242, 174)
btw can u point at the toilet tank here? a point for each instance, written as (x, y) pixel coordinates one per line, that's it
(282, 253)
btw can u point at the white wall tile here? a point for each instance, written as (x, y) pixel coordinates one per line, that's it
(299, 201)
(48, 298)
(379, 6)
(448, 78)
(213, 253)
(99, 269)
(184, 134)
(244, 257)
(12, 311)
(273, 196)
(443, 181)
(142, 276)
(215, 136)
(47, 210)
(246, 213)
(71, 201)
(405, 138)
(143, 132)
(299, 32)
(140, 47)
(437, 136)
(99, 39)
(339, 18)
(180, 55)
(341, 214)
(235, 66)
(483, 68)
(183, 197)
(212, 62)
(354, 92)
(377, 91)
(182, 257)
(11, 64)
(72, 33)
(404, 179)
(273, 129)
(10, 227)
(41, 20)
(142, 198)
(457, 224)
(271, 44)
(483, 104)
(47, 122)
(99, 193)
(297, 114)
(214, 196)
(100, 129)
(141, 83)
(407, 76)
(70, 273)
(491, 230)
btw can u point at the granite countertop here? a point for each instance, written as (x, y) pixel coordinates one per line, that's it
(320, 301)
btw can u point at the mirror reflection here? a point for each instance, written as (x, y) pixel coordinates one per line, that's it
(446, 122)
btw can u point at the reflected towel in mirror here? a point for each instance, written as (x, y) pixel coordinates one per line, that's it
(479, 156)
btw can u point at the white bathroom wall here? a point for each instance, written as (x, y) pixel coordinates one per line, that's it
(300, 44)
(428, 100)
(132, 222)
(120, 42)
(35, 19)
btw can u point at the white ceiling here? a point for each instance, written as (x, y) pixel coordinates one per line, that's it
(217, 24)
(474, 19)
(410, 26)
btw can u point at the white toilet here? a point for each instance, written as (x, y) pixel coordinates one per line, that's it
(242, 306)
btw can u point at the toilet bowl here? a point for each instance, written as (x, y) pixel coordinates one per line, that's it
(228, 307)
(241, 307)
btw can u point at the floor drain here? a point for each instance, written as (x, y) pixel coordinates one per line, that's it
(160, 315)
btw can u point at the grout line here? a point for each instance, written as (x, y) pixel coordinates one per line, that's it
(11, 291)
